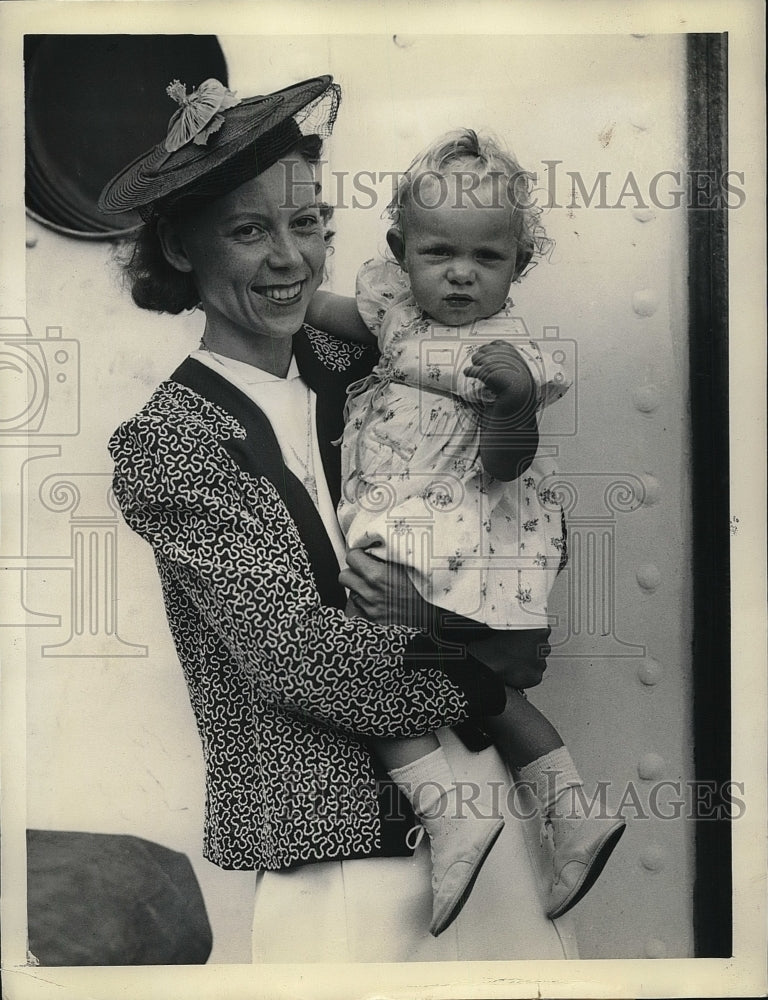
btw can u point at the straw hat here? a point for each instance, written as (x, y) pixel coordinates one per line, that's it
(92, 104)
(216, 142)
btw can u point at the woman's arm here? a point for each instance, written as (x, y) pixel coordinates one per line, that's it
(383, 592)
(509, 434)
(228, 545)
(338, 315)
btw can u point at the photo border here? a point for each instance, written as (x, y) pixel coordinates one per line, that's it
(742, 975)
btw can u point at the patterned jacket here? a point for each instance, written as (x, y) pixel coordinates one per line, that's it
(284, 687)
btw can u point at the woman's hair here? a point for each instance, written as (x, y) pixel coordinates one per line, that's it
(156, 284)
(483, 158)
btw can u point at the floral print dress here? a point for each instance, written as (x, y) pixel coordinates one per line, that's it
(412, 480)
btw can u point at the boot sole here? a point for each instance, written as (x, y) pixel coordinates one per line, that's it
(449, 918)
(592, 873)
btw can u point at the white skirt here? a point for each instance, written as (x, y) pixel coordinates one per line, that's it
(379, 909)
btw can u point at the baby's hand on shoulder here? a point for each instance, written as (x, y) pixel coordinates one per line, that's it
(500, 366)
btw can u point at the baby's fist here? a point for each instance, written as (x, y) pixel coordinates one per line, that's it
(501, 367)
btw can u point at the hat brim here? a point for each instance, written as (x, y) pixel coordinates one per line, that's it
(158, 173)
(89, 110)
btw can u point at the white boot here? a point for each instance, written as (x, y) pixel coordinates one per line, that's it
(582, 843)
(461, 834)
(580, 859)
(459, 846)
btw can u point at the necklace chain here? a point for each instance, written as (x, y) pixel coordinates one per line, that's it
(309, 481)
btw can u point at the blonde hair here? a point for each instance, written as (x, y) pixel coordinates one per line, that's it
(485, 158)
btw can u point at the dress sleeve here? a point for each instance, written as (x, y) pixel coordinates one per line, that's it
(226, 542)
(379, 285)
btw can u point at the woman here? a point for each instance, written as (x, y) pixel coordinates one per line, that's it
(229, 472)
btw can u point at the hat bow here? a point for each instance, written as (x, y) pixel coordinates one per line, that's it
(198, 115)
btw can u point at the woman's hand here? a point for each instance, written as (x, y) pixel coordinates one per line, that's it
(381, 591)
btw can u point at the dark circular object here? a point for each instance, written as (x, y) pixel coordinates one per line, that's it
(109, 899)
(94, 103)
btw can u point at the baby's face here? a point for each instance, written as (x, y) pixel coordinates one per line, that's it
(460, 260)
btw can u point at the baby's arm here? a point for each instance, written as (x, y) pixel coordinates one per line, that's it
(338, 315)
(509, 435)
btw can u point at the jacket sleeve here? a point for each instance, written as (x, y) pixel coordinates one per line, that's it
(226, 539)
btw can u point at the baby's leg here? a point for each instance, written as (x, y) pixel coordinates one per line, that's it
(522, 733)
(460, 838)
(531, 745)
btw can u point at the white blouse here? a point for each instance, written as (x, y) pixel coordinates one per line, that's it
(290, 406)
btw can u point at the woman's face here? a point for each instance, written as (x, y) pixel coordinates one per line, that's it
(257, 255)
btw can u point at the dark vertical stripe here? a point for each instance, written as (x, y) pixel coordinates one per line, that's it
(259, 454)
(708, 337)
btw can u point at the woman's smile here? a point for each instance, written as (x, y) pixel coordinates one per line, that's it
(284, 294)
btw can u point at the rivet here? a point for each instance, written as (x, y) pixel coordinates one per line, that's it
(31, 241)
(651, 766)
(654, 948)
(650, 672)
(652, 490)
(648, 577)
(645, 302)
(646, 398)
(644, 214)
(653, 858)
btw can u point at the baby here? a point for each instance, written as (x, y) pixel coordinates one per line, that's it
(442, 474)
